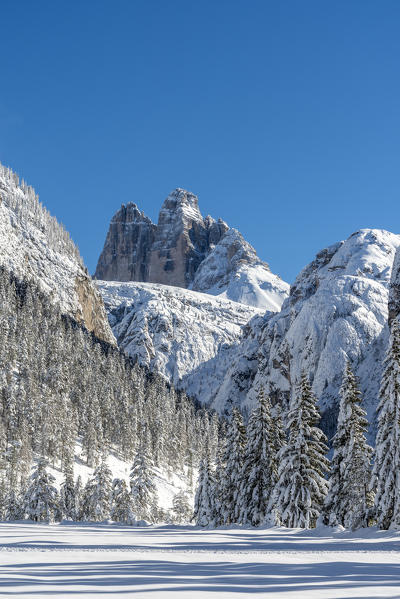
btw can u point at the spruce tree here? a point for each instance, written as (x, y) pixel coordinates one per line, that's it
(204, 499)
(41, 500)
(259, 472)
(121, 503)
(68, 501)
(301, 488)
(349, 497)
(143, 489)
(386, 470)
(96, 502)
(235, 444)
(181, 508)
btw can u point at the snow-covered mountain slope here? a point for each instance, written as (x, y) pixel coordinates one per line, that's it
(189, 251)
(337, 310)
(234, 271)
(175, 331)
(34, 246)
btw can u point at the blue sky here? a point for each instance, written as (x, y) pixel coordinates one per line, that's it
(282, 116)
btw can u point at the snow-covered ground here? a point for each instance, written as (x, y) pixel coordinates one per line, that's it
(101, 560)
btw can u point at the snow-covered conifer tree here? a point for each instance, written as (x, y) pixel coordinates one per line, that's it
(235, 444)
(204, 499)
(96, 502)
(259, 472)
(301, 488)
(386, 471)
(68, 501)
(181, 508)
(121, 503)
(41, 500)
(349, 497)
(143, 489)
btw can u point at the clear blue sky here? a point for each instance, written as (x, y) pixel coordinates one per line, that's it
(283, 116)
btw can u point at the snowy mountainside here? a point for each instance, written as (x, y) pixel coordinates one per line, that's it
(233, 270)
(34, 246)
(188, 251)
(175, 331)
(337, 310)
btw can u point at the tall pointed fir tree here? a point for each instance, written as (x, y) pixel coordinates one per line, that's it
(143, 489)
(349, 498)
(386, 470)
(234, 452)
(259, 472)
(204, 502)
(181, 508)
(41, 499)
(96, 502)
(69, 506)
(121, 503)
(301, 488)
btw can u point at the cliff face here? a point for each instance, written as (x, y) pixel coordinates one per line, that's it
(34, 246)
(128, 243)
(189, 251)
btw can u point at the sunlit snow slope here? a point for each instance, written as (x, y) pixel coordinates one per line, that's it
(175, 331)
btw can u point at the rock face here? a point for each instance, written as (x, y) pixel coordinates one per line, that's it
(189, 251)
(34, 246)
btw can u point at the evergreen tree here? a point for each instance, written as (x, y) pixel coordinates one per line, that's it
(96, 502)
(143, 489)
(181, 508)
(122, 505)
(259, 473)
(235, 444)
(41, 500)
(204, 503)
(386, 471)
(301, 487)
(68, 501)
(349, 497)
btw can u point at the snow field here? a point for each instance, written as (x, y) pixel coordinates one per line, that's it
(96, 560)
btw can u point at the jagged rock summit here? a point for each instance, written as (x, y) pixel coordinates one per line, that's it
(187, 250)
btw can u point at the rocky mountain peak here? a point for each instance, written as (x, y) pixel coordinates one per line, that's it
(186, 250)
(130, 213)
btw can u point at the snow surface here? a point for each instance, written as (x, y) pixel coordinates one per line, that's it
(96, 560)
(233, 270)
(175, 331)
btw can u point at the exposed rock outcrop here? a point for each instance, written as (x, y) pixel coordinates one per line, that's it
(186, 250)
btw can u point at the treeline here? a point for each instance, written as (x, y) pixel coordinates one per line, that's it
(267, 473)
(59, 383)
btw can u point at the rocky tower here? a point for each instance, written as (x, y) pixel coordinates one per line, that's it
(128, 243)
(169, 252)
(188, 251)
